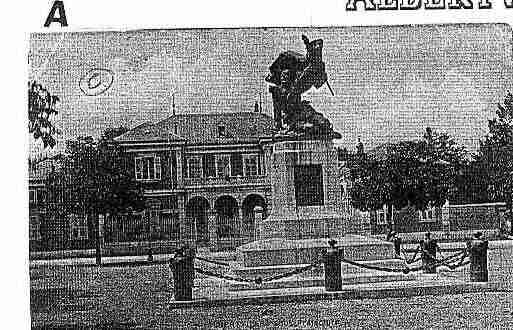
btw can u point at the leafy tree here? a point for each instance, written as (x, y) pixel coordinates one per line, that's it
(41, 107)
(496, 153)
(471, 184)
(95, 180)
(419, 173)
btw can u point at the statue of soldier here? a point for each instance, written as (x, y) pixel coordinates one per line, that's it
(314, 72)
(284, 103)
(291, 75)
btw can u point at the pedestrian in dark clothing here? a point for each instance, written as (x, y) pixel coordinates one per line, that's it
(397, 243)
(428, 248)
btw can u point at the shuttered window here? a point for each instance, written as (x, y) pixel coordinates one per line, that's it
(147, 168)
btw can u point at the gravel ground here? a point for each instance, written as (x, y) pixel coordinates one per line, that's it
(138, 297)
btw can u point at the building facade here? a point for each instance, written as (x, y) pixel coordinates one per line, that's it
(204, 176)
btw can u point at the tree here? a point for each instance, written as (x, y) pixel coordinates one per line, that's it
(472, 184)
(95, 181)
(41, 107)
(419, 173)
(496, 154)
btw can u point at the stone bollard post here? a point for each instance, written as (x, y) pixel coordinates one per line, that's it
(332, 268)
(183, 274)
(478, 249)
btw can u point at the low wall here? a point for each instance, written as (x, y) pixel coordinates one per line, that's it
(475, 216)
(450, 218)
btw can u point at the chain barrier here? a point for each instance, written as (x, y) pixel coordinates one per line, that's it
(413, 259)
(438, 262)
(384, 269)
(296, 271)
(446, 262)
(213, 262)
(259, 280)
(223, 276)
(406, 270)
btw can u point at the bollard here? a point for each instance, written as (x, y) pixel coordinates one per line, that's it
(183, 274)
(332, 268)
(478, 249)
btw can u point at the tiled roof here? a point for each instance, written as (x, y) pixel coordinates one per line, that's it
(239, 127)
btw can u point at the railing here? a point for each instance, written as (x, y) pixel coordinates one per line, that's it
(238, 180)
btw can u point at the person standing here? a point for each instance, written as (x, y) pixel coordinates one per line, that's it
(396, 240)
(428, 248)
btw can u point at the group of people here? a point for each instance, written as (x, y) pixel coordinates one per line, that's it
(429, 248)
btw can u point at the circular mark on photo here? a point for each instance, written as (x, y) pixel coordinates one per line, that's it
(96, 81)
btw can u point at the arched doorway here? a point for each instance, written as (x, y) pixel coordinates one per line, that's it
(248, 213)
(227, 212)
(196, 213)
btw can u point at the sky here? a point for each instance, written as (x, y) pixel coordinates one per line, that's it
(389, 82)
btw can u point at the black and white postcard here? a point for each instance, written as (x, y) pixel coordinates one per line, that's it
(270, 165)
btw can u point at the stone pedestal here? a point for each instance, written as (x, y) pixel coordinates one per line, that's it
(298, 229)
(290, 219)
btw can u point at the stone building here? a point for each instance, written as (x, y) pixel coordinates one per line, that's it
(205, 178)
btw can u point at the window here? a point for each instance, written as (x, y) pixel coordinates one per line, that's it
(32, 196)
(250, 165)
(236, 164)
(209, 165)
(223, 165)
(195, 168)
(261, 160)
(428, 215)
(34, 225)
(77, 227)
(382, 217)
(147, 168)
(308, 185)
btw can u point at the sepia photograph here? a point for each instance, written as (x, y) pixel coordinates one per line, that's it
(271, 178)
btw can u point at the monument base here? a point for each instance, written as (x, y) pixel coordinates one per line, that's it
(279, 251)
(270, 257)
(311, 227)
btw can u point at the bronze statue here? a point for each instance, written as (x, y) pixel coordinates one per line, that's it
(291, 75)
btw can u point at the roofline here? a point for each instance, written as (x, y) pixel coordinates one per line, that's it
(250, 140)
(152, 142)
